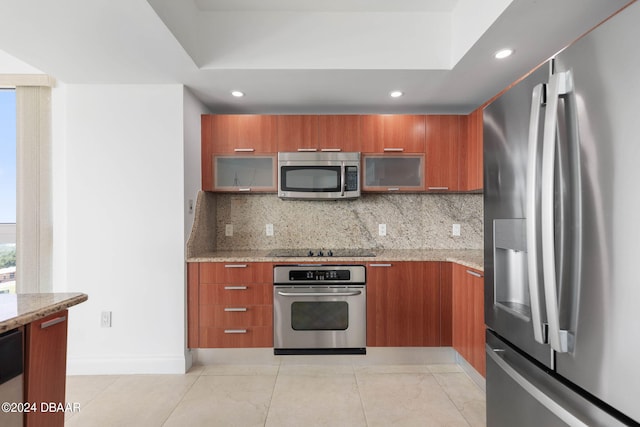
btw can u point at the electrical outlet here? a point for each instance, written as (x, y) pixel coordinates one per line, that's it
(382, 229)
(269, 229)
(105, 319)
(228, 230)
(455, 230)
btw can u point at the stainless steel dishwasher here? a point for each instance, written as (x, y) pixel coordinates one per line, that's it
(11, 379)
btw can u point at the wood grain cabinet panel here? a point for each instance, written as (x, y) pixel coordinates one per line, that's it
(471, 166)
(298, 132)
(258, 336)
(468, 315)
(442, 151)
(392, 133)
(339, 132)
(46, 367)
(234, 272)
(403, 304)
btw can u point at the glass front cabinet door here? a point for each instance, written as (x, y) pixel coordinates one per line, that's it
(402, 172)
(244, 173)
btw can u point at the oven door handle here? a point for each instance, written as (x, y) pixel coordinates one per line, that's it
(319, 294)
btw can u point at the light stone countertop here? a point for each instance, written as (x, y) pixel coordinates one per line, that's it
(20, 309)
(472, 258)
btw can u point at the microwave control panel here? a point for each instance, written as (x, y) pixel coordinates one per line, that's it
(351, 178)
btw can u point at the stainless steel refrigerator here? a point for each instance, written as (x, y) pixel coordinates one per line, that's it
(562, 237)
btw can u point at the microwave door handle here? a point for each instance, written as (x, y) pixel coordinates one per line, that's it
(343, 184)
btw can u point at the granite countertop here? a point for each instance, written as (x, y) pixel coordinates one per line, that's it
(20, 309)
(472, 258)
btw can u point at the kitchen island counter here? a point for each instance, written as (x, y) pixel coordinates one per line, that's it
(472, 258)
(20, 309)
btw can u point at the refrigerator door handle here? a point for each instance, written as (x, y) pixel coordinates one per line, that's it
(533, 244)
(496, 355)
(559, 84)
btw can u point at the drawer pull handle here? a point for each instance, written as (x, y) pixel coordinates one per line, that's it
(235, 309)
(393, 150)
(235, 266)
(235, 331)
(52, 322)
(244, 150)
(473, 273)
(244, 189)
(393, 189)
(379, 265)
(235, 288)
(438, 188)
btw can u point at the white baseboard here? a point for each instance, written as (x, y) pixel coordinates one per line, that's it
(127, 365)
(470, 370)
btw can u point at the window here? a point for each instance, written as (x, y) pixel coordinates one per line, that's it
(7, 190)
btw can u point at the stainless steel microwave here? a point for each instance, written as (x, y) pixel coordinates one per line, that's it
(319, 175)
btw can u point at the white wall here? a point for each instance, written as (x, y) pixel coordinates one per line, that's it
(119, 166)
(193, 109)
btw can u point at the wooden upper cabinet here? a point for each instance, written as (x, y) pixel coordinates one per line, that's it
(339, 132)
(471, 166)
(442, 152)
(392, 133)
(297, 132)
(241, 134)
(237, 133)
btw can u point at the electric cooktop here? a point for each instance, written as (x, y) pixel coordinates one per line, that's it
(335, 253)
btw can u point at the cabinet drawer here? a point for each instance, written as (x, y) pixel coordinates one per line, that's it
(260, 336)
(236, 272)
(254, 294)
(236, 316)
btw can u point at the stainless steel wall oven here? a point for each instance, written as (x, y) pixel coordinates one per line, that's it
(319, 309)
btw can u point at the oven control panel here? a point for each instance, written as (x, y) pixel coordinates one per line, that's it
(323, 275)
(314, 273)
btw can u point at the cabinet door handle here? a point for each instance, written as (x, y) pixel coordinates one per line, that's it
(438, 188)
(235, 266)
(330, 149)
(393, 150)
(49, 323)
(380, 265)
(393, 189)
(244, 150)
(235, 288)
(235, 309)
(307, 150)
(235, 331)
(244, 189)
(473, 273)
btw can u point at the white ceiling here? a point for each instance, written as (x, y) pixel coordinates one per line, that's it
(300, 56)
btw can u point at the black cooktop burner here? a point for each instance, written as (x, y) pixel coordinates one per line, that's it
(335, 253)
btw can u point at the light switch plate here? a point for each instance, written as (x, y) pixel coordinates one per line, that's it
(455, 230)
(269, 229)
(105, 319)
(382, 229)
(228, 230)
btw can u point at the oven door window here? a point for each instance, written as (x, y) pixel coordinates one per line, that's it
(320, 316)
(310, 178)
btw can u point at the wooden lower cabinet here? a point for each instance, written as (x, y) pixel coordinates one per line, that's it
(468, 315)
(230, 304)
(45, 368)
(403, 304)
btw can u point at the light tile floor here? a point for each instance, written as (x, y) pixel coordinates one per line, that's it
(281, 395)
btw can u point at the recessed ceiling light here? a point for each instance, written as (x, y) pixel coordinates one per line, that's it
(503, 53)
(237, 93)
(396, 94)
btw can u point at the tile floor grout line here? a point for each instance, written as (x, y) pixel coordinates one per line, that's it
(364, 412)
(182, 397)
(273, 390)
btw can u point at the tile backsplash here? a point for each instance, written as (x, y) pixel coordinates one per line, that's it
(413, 221)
